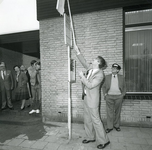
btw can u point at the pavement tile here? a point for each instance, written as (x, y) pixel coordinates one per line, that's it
(149, 141)
(123, 139)
(57, 138)
(52, 132)
(118, 146)
(92, 145)
(126, 139)
(20, 136)
(133, 146)
(114, 138)
(116, 133)
(146, 130)
(39, 145)
(7, 141)
(43, 138)
(133, 129)
(51, 146)
(139, 141)
(6, 147)
(144, 135)
(61, 140)
(130, 134)
(15, 142)
(27, 143)
(66, 147)
(51, 139)
(80, 147)
(146, 147)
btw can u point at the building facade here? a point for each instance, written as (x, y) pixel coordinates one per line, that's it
(121, 32)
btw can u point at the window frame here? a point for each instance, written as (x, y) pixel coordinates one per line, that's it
(134, 95)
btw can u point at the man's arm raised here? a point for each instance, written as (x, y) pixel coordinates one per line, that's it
(76, 49)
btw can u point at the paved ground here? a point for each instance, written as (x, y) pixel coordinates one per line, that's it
(20, 131)
(55, 137)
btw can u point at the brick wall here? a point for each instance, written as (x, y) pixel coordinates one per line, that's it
(97, 33)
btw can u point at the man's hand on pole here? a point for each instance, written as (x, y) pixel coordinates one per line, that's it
(76, 49)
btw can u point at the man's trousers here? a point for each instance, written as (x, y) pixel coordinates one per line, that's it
(113, 106)
(93, 126)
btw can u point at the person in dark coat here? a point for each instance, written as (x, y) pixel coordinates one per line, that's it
(24, 69)
(6, 86)
(21, 85)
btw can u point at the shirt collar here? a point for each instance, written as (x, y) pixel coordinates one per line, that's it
(114, 75)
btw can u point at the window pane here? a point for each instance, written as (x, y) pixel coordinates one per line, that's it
(140, 16)
(138, 60)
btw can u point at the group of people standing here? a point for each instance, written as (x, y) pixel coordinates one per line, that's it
(26, 83)
(114, 89)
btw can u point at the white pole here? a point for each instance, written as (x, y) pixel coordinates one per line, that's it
(69, 93)
(71, 22)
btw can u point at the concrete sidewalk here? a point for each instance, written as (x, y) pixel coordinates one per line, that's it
(56, 138)
(18, 116)
(54, 135)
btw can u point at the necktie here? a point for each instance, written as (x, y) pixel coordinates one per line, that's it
(90, 73)
(3, 75)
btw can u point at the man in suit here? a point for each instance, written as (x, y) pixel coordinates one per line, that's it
(6, 85)
(92, 123)
(114, 89)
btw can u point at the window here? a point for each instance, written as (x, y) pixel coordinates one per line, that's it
(138, 51)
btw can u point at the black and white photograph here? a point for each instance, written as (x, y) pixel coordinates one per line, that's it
(75, 74)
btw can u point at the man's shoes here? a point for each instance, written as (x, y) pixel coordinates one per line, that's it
(117, 129)
(37, 111)
(87, 141)
(101, 146)
(28, 105)
(22, 108)
(32, 111)
(108, 130)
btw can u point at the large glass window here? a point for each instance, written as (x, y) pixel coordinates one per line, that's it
(138, 51)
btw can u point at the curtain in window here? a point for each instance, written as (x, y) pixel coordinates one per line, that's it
(138, 60)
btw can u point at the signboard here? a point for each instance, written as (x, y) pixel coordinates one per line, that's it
(67, 31)
(72, 71)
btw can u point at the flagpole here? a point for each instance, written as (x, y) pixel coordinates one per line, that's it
(69, 93)
(69, 84)
(60, 9)
(71, 23)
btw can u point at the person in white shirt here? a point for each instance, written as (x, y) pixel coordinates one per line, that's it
(114, 89)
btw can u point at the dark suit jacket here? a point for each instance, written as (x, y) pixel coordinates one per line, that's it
(7, 83)
(121, 84)
(22, 81)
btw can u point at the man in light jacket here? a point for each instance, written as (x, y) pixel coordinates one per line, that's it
(92, 82)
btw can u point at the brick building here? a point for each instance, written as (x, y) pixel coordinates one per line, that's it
(118, 30)
(102, 28)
